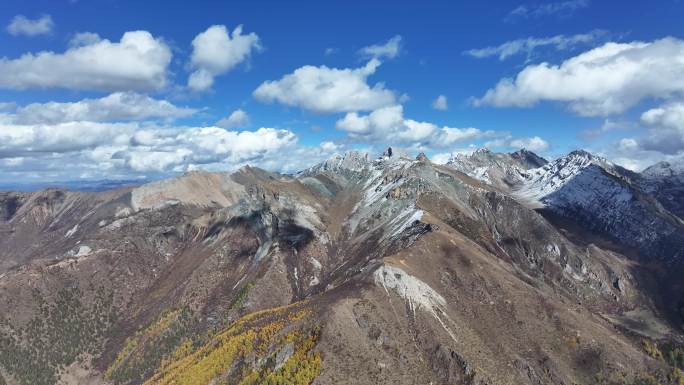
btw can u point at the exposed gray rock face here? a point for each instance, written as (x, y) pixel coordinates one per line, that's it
(10, 202)
(394, 269)
(353, 161)
(283, 355)
(590, 190)
(602, 197)
(528, 159)
(665, 181)
(497, 169)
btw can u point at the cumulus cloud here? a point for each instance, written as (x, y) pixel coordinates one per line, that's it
(505, 140)
(20, 140)
(142, 148)
(114, 107)
(237, 118)
(605, 80)
(666, 128)
(217, 51)
(441, 158)
(628, 144)
(138, 61)
(13, 162)
(663, 139)
(21, 25)
(528, 45)
(631, 154)
(7, 106)
(669, 116)
(440, 103)
(608, 125)
(561, 8)
(326, 90)
(388, 125)
(389, 50)
(81, 39)
(534, 144)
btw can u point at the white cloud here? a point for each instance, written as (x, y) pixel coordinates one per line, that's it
(628, 144)
(237, 145)
(388, 125)
(114, 107)
(505, 140)
(7, 106)
(325, 90)
(561, 8)
(440, 103)
(666, 128)
(13, 162)
(669, 116)
(603, 81)
(534, 144)
(607, 126)
(216, 52)
(631, 154)
(137, 62)
(18, 140)
(159, 161)
(441, 158)
(663, 139)
(138, 149)
(21, 25)
(330, 146)
(391, 49)
(236, 119)
(530, 44)
(81, 39)
(445, 157)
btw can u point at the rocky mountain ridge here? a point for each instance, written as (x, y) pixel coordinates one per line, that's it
(664, 180)
(595, 193)
(358, 270)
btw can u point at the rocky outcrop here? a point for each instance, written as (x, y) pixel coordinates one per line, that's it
(665, 181)
(602, 197)
(362, 270)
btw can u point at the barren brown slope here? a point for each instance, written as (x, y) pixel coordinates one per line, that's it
(395, 271)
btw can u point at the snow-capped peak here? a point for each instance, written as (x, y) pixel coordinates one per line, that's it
(664, 170)
(348, 161)
(528, 159)
(545, 180)
(499, 169)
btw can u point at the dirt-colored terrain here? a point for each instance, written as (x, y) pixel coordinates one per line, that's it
(357, 271)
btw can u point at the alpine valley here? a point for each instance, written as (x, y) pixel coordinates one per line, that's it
(494, 268)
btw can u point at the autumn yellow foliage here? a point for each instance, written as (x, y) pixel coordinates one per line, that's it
(143, 353)
(256, 336)
(652, 349)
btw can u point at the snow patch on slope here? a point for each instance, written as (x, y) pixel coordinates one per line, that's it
(71, 232)
(404, 220)
(543, 181)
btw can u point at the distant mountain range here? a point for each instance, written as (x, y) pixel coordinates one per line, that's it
(78, 185)
(495, 268)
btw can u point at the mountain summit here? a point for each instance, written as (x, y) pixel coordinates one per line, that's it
(491, 269)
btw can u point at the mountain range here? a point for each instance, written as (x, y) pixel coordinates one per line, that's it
(494, 268)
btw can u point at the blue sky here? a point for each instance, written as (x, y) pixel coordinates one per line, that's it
(312, 78)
